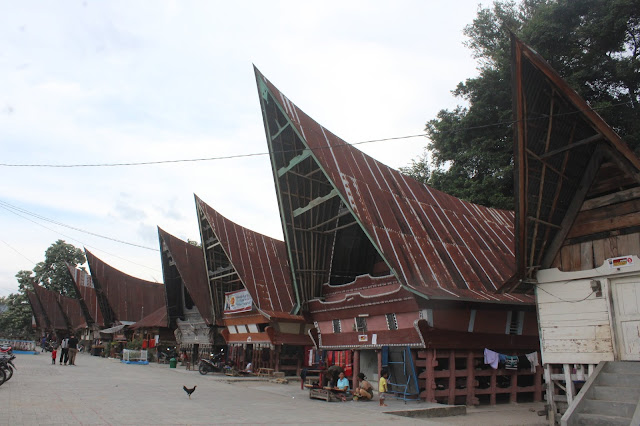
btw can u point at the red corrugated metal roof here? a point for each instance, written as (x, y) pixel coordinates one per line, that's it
(155, 319)
(130, 298)
(73, 311)
(260, 261)
(49, 301)
(189, 260)
(84, 287)
(38, 311)
(438, 245)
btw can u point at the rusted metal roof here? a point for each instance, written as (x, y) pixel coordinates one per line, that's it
(88, 296)
(153, 320)
(49, 302)
(38, 312)
(560, 145)
(130, 298)
(259, 261)
(190, 265)
(72, 311)
(436, 245)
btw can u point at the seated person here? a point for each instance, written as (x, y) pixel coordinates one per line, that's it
(343, 382)
(249, 368)
(364, 389)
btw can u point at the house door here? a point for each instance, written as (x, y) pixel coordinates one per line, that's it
(626, 302)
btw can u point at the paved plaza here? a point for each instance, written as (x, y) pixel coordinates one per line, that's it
(102, 391)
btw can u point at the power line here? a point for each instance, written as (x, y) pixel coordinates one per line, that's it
(11, 208)
(12, 248)
(257, 154)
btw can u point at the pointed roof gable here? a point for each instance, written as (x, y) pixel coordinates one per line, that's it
(436, 245)
(49, 302)
(130, 298)
(88, 295)
(566, 156)
(260, 262)
(38, 311)
(189, 261)
(158, 318)
(72, 311)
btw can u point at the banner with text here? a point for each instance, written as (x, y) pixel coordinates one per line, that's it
(237, 301)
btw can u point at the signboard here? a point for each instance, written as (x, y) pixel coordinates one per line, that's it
(237, 301)
(620, 262)
(363, 338)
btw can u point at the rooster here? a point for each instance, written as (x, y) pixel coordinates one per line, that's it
(189, 391)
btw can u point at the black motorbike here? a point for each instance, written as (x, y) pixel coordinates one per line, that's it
(212, 365)
(6, 367)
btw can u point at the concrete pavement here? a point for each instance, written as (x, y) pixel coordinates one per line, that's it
(102, 391)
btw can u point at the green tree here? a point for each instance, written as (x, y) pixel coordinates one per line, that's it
(15, 321)
(593, 44)
(53, 274)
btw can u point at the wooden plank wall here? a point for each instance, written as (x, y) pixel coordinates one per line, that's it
(574, 323)
(592, 254)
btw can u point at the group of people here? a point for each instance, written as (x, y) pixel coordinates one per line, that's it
(364, 390)
(68, 349)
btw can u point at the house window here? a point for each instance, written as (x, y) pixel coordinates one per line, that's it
(392, 321)
(515, 320)
(336, 326)
(361, 324)
(427, 314)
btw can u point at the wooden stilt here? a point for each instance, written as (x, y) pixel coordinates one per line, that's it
(356, 368)
(451, 398)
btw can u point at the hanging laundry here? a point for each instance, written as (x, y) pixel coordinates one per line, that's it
(502, 358)
(511, 362)
(492, 358)
(533, 359)
(523, 363)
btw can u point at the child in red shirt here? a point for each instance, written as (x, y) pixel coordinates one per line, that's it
(53, 356)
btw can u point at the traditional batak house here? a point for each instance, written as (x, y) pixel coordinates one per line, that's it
(188, 296)
(40, 320)
(91, 307)
(397, 273)
(577, 239)
(252, 294)
(48, 299)
(128, 299)
(72, 311)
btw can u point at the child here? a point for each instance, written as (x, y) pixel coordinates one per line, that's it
(53, 356)
(382, 387)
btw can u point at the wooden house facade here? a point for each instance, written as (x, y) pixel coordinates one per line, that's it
(188, 295)
(252, 294)
(577, 227)
(395, 273)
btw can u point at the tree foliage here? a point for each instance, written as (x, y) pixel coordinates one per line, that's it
(52, 273)
(593, 44)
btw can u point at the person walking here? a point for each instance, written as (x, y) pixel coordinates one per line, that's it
(64, 350)
(73, 349)
(53, 356)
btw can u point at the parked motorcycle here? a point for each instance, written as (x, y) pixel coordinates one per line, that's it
(211, 365)
(6, 367)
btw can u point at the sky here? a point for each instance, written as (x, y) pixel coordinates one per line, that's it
(84, 82)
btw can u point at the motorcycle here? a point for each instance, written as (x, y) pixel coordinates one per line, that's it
(211, 365)
(165, 356)
(6, 367)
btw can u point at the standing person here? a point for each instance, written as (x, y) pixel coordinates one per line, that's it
(64, 350)
(53, 356)
(43, 343)
(73, 349)
(382, 387)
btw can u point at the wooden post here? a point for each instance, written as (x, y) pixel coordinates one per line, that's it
(551, 403)
(275, 357)
(568, 383)
(379, 363)
(356, 368)
(493, 387)
(471, 379)
(451, 399)
(430, 381)
(537, 384)
(513, 397)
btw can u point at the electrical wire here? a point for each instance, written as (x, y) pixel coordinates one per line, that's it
(12, 248)
(257, 154)
(561, 300)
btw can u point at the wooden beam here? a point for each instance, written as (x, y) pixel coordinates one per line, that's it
(574, 208)
(294, 162)
(622, 163)
(280, 130)
(544, 222)
(314, 203)
(545, 164)
(340, 227)
(606, 200)
(585, 141)
(344, 213)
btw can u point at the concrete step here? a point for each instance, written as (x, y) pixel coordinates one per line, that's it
(613, 393)
(608, 408)
(599, 420)
(616, 379)
(622, 367)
